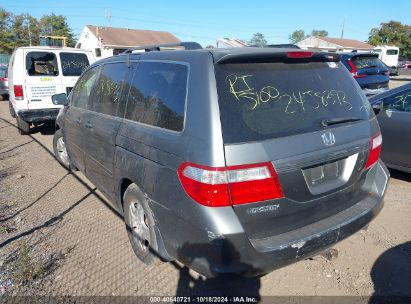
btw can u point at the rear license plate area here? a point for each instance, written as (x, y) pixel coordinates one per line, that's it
(317, 174)
(329, 176)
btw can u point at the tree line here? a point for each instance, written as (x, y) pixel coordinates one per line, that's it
(258, 39)
(20, 30)
(391, 33)
(24, 29)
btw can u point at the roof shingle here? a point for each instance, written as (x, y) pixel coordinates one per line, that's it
(349, 43)
(123, 37)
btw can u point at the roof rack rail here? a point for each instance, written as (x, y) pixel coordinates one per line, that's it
(157, 47)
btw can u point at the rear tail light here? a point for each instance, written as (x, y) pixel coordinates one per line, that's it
(375, 149)
(354, 71)
(300, 54)
(225, 186)
(18, 92)
(3, 79)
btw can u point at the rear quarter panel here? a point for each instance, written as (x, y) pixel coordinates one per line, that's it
(150, 156)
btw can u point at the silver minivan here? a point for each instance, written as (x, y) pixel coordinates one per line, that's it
(228, 160)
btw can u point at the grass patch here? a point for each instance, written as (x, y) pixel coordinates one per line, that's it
(6, 229)
(26, 269)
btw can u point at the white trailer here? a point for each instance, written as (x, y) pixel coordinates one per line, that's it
(388, 54)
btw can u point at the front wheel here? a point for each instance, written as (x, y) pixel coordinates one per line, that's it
(140, 225)
(60, 150)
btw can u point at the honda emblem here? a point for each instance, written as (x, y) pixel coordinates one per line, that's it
(328, 138)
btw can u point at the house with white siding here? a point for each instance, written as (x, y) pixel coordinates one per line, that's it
(106, 41)
(334, 44)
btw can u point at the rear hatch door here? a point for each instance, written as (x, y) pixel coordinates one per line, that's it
(72, 65)
(42, 78)
(309, 119)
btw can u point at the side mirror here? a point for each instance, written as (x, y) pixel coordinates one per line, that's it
(60, 99)
(377, 108)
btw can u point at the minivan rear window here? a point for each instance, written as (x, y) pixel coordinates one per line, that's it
(260, 101)
(41, 64)
(73, 64)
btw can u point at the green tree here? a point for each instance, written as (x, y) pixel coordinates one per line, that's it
(392, 33)
(296, 36)
(20, 30)
(25, 30)
(6, 37)
(319, 33)
(56, 25)
(258, 39)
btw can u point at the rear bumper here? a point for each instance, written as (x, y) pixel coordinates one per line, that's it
(219, 254)
(38, 115)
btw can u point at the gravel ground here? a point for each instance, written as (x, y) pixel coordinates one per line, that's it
(58, 236)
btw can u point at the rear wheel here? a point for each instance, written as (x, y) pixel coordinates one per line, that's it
(60, 150)
(140, 225)
(12, 113)
(24, 126)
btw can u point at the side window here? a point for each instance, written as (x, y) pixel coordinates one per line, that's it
(82, 92)
(157, 95)
(41, 64)
(398, 102)
(109, 87)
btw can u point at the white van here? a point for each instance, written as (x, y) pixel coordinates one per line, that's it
(388, 54)
(36, 73)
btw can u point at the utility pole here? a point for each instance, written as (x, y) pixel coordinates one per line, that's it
(107, 15)
(28, 25)
(342, 30)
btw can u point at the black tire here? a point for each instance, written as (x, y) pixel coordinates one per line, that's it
(23, 126)
(12, 113)
(61, 156)
(144, 244)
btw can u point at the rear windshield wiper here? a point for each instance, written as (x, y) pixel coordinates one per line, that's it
(369, 67)
(336, 121)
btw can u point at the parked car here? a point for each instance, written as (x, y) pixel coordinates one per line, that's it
(371, 73)
(4, 82)
(404, 63)
(36, 73)
(394, 116)
(229, 160)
